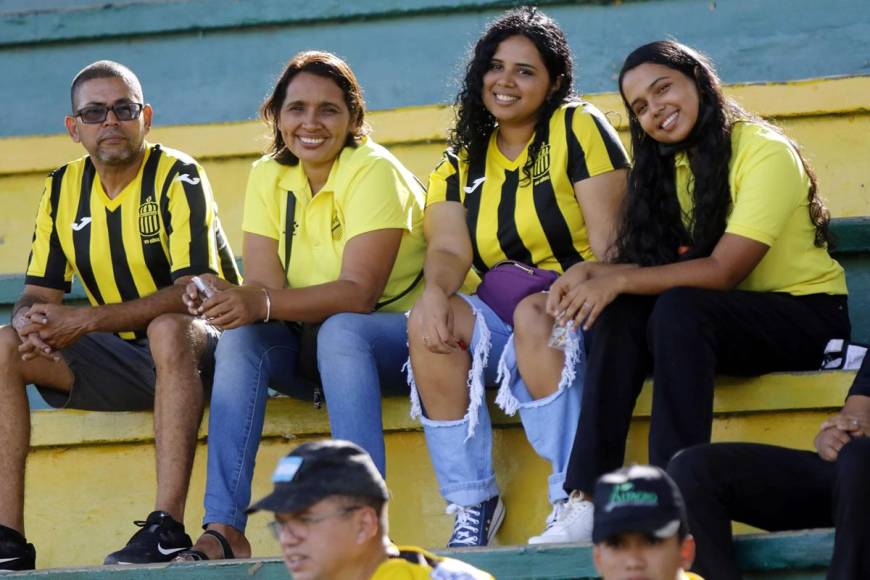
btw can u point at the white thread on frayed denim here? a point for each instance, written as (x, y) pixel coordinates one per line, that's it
(416, 407)
(479, 360)
(505, 398)
(573, 355)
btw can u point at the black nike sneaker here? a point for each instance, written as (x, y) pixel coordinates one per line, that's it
(160, 540)
(15, 553)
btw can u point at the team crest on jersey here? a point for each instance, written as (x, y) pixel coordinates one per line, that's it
(149, 218)
(541, 170)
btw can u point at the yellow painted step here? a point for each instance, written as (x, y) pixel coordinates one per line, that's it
(90, 474)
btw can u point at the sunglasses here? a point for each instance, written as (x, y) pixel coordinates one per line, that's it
(97, 113)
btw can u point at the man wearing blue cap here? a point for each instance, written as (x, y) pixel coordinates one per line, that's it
(639, 527)
(331, 520)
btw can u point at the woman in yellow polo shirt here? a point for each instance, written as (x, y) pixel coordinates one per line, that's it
(724, 269)
(332, 234)
(533, 175)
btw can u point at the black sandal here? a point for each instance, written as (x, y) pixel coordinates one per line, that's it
(192, 555)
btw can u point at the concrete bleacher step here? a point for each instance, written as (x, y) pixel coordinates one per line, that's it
(787, 555)
(106, 461)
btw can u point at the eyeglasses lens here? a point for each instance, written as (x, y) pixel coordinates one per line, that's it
(98, 114)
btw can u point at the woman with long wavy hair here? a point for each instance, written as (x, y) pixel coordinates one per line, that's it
(723, 267)
(333, 248)
(532, 175)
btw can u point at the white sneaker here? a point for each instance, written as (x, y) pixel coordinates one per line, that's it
(569, 522)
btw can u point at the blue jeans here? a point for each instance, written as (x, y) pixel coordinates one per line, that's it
(248, 360)
(358, 354)
(461, 450)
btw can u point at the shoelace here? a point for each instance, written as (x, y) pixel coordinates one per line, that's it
(466, 528)
(573, 508)
(555, 515)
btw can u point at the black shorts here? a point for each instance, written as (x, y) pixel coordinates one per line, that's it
(112, 374)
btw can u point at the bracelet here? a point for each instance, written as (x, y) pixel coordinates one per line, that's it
(268, 305)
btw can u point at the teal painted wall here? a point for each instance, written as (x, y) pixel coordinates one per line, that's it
(205, 61)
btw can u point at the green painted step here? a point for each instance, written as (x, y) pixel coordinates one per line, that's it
(785, 555)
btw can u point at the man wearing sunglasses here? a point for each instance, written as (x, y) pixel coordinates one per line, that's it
(331, 520)
(133, 222)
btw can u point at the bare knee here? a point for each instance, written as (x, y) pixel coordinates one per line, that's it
(532, 324)
(9, 343)
(176, 338)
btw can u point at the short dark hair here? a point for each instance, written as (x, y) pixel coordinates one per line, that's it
(322, 64)
(377, 504)
(104, 69)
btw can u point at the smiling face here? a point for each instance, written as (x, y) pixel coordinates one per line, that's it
(517, 83)
(315, 121)
(112, 142)
(637, 556)
(664, 100)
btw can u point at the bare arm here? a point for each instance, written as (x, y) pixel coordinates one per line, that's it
(448, 260)
(365, 269)
(733, 258)
(448, 253)
(601, 199)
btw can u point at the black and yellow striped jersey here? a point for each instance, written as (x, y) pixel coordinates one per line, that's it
(162, 226)
(412, 563)
(536, 220)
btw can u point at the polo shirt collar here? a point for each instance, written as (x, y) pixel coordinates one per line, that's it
(294, 178)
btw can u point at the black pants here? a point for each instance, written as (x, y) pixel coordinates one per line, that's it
(685, 336)
(774, 488)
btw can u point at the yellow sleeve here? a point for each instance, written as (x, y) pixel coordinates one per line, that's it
(377, 198)
(444, 181)
(600, 147)
(47, 265)
(769, 184)
(262, 213)
(192, 240)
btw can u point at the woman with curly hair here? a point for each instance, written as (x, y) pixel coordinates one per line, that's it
(723, 266)
(535, 176)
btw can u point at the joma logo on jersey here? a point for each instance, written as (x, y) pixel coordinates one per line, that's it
(149, 219)
(541, 170)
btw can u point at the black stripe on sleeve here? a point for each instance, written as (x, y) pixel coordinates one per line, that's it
(55, 262)
(149, 226)
(82, 235)
(165, 213)
(118, 253)
(555, 225)
(577, 168)
(508, 236)
(615, 151)
(228, 262)
(199, 232)
(452, 193)
(472, 210)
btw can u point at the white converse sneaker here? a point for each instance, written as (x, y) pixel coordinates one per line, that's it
(569, 522)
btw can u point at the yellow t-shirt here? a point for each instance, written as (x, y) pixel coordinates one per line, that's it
(412, 563)
(769, 188)
(367, 190)
(689, 576)
(535, 221)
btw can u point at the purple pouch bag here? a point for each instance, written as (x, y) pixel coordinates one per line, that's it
(508, 282)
